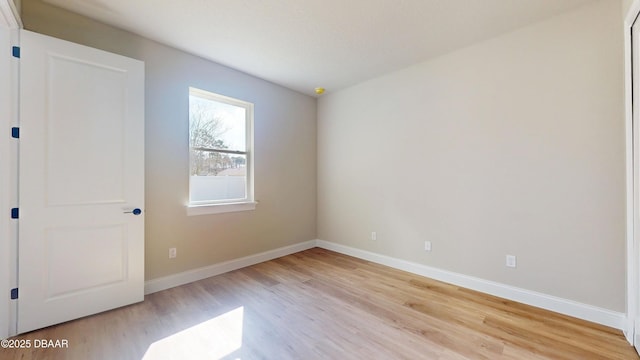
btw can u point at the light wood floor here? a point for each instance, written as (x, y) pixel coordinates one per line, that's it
(318, 304)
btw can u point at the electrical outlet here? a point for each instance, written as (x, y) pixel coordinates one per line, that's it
(511, 261)
(374, 236)
(172, 253)
(427, 246)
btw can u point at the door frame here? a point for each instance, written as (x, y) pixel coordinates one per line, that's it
(10, 24)
(632, 331)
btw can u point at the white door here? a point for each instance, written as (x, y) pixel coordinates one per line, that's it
(81, 247)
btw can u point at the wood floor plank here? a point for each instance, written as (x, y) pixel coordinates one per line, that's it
(318, 304)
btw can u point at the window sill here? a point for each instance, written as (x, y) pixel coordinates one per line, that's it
(195, 210)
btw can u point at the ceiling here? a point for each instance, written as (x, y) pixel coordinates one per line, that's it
(303, 44)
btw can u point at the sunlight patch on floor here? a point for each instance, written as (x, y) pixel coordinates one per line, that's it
(212, 339)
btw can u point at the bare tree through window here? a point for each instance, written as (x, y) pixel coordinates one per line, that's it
(205, 131)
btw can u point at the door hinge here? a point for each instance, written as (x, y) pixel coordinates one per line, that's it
(16, 52)
(14, 293)
(15, 132)
(15, 213)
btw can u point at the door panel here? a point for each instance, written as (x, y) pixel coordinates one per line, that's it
(101, 141)
(81, 170)
(72, 271)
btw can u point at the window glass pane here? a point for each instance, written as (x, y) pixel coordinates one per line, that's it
(216, 125)
(217, 176)
(213, 163)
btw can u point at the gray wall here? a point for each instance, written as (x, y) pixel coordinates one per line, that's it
(285, 144)
(626, 5)
(511, 146)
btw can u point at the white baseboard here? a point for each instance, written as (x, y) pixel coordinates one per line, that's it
(564, 306)
(186, 277)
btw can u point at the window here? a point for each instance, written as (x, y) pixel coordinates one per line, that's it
(220, 153)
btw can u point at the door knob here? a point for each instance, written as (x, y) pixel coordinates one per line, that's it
(135, 211)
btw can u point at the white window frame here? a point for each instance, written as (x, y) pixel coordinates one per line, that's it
(227, 205)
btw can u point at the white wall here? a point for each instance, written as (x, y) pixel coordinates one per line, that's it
(511, 146)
